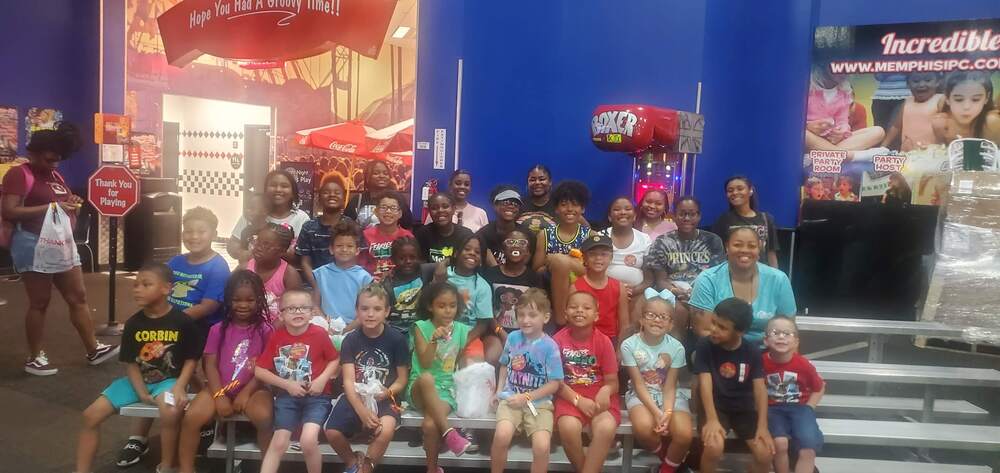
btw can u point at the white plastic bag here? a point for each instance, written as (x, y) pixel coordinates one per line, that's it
(368, 391)
(56, 249)
(474, 388)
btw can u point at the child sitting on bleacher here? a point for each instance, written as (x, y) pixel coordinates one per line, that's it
(377, 357)
(589, 392)
(298, 363)
(794, 389)
(438, 342)
(338, 282)
(653, 359)
(530, 373)
(230, 354)
(731, 387)
(161, 347)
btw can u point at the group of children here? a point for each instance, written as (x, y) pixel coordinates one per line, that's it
(390, 331)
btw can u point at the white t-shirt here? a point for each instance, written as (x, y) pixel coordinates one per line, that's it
(473, 218)
(626, 263)
(295, 219)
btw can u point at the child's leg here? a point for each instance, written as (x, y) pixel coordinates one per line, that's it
(762, 457)
(426, 396)
(781, 455)
(342, 423)
(571, 435)
(170, 420)
(560, 268)
(200, 412)
(680, 437)
(541, 442)
(501, 443)
(378, 446)
(712, 449)
(259, 410)
(863, 139)
(808, 437)
(642, 426)
(602, 435)
(275, 450)
(90, 434)
(432, 443)
(309, 440)
(807, 461)
(338, 441)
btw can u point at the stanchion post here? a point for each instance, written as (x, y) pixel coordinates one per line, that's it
(112, 327)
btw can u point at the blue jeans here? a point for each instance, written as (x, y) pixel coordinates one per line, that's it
(796, 422)
(291, 412)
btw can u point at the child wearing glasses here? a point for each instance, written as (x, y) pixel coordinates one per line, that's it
(298, 362)
(278, 276)
(339, 282)
(511, 279)
(794, 389)
(376, 257)
(660, 414)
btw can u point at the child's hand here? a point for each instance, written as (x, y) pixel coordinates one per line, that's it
(663, 423)
(180, 397)
(223, 407)
(517, 400)
(316, 388)
(147, 399)
(441, 333)
(819, 127)
(603, 401)
(441, 270)
(587, 407)
(713, 434)
(240, 403)
(763, 437)
(295, 388)
(372, 422)
(382, 395)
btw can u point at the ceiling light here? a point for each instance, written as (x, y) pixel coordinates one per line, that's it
(401, 32)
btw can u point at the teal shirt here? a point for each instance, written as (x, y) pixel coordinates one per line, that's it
(774, 295)
(477, 294)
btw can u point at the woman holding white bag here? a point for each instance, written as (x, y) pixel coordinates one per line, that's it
(40, 206)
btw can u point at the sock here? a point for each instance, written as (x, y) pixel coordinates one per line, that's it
(139, 438)
(446, 432)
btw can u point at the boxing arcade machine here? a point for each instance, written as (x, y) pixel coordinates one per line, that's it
(662, 142)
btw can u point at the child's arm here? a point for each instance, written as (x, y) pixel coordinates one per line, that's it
(267, 377)
(135, 379)
(642, 392)
(538, 257)
(816, 396)
(368, 418)
(202, 309)
(307, 269)
(402, 376)
(712, 432)
(180, 387)
(330, 372)
(610, 388)
(426, 350)
(212, 372)
(624, 318)
(236, 251)
(502, 382)
(760, 403)
(292, 279)
(669, 390)
(892, 134)
(587, 406)
(481, 328)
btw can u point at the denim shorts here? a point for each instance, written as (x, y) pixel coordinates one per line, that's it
(121, 393)
(22, 251)
(290, 412)
(682, 403)
(796, 422)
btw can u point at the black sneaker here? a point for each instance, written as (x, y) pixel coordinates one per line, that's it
(132, 452)
(207, 437)
(102, 353)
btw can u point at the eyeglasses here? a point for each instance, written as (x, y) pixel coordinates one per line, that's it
(298, 309)
(781, 333)
(388, 208)
(516, 242)
(655, 316)
(509, 203)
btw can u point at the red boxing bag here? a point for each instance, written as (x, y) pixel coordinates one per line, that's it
(634, 129)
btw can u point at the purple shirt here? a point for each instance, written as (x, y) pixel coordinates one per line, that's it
(238, 352)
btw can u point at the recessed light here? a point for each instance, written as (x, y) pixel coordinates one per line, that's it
(401, 32)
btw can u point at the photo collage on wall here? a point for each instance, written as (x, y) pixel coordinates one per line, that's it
(892, 109)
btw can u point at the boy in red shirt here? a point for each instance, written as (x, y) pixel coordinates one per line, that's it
(612, 301)
(298, 363)
(793, 391)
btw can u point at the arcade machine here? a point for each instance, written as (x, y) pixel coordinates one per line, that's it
(662, 143)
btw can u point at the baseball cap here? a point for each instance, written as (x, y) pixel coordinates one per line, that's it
(594, 241)
(508, 194)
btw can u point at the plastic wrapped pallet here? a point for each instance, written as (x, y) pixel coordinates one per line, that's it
(965, 286)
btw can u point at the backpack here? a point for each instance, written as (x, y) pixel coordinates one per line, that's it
(6, 227)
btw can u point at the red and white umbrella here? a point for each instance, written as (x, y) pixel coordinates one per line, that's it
(347, 138)
(393, 138)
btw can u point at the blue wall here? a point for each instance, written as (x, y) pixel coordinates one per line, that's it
(534, 71)
(50, 52)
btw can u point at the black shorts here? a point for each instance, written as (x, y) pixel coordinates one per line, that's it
(345, 419)
(743, 423)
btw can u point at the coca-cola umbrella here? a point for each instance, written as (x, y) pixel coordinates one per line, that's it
(393, 138)
(347, 138)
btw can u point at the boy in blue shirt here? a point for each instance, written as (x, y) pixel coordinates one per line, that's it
(339, 282)
(199, 280)
(530, 373)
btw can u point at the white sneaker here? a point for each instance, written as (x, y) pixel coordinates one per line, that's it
(39, 366)
(869, 154)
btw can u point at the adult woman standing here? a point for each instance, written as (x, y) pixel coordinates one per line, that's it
(361, 206)
(652, 219)
(766, 289)
(28, 192)
(539, 212)
(678, 257)
(743, 213)
(281, 196)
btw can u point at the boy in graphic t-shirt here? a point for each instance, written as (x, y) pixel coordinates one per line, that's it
(298, 363)
(731, 388)
(200, 275)
(161, 347)
(794, 389)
